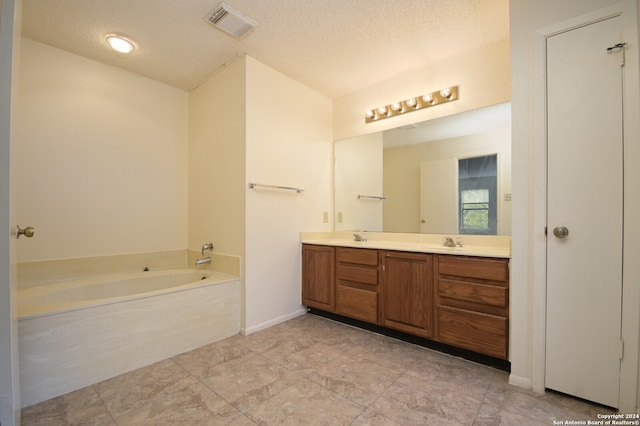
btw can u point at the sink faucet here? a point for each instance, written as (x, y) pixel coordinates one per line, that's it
(360, 237)
(448, 242)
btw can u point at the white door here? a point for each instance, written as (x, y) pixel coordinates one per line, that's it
(439, 196)
(584, 198)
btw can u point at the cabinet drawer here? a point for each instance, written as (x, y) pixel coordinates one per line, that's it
(358, 256)
(472, 292)
(470, 267)
(365, 275)
(478, 332)
(358, 303)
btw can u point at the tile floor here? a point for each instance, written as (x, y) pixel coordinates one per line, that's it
(309, 371)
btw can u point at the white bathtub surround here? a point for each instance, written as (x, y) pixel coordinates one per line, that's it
(37, 272)
(85, 320)
(64, 351)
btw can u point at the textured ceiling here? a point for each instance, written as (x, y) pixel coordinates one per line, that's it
(333, 46)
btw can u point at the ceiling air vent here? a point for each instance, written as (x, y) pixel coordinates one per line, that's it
(229, 20)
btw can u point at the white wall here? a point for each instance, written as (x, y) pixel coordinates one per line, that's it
(527, 20)
(358, 170)
(482, 74)
(289, 142)
(100, 156)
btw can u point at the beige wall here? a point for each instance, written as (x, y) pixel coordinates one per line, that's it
(402, 175)
(100, 158)
(249, 123)
(482, 74)
(358, 170)
(289, 142)
(217, 127)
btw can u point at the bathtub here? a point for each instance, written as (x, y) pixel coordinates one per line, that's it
(79, 332)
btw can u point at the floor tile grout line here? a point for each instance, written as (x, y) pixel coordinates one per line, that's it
(104, 404)
(211, 389)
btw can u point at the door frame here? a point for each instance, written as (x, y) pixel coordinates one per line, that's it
(629, 373)
(9, 371)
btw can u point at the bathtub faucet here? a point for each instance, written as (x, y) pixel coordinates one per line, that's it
(207, 247)
(203, 261)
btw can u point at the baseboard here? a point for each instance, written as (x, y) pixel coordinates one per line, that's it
(522, 382)
(254, 328)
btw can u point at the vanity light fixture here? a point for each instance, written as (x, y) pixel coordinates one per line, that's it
(120, 44)
(426, 100)
(396, 106)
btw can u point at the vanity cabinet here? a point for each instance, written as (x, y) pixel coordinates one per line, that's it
(357, 283)
(472, 303)
(318, 277)
(407, 292)
(462, 301)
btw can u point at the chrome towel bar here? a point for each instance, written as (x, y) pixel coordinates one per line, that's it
(287, 188)
(373, 197)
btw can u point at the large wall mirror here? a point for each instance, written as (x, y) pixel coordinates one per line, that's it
(450, 175)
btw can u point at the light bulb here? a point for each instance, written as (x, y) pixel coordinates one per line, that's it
(382, 110)
(428, 98)
(396, 106)
(411, 103)
(446, 93)
(120, 44)
(369, 114)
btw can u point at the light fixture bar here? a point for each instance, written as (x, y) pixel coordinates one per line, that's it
(426, 100)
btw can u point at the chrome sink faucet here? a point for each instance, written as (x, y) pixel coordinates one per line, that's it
(448, 242)
(360, 237)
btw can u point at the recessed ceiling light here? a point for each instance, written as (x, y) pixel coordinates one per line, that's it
(120, 44)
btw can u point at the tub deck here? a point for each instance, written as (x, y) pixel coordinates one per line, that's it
(55, 297)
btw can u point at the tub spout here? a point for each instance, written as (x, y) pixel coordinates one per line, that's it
(204, 260)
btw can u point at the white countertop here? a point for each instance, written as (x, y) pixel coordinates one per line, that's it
(472, 245)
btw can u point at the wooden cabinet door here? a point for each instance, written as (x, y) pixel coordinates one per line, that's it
(408, 292)
(318, 277)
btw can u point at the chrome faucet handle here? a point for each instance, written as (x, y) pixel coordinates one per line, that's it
(208, 246)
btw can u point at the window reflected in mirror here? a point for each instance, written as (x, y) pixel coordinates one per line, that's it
(477, 195)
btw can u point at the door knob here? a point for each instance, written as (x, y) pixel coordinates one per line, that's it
(27, 232)
(560, 231)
